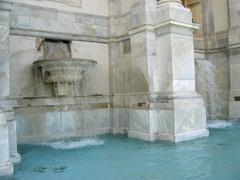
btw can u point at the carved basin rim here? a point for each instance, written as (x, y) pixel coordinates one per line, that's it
(65, 61)
(65, 70)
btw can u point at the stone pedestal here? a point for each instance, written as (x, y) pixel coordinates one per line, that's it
(12, 136)
(8, 144)
(234, 58)
(183, 116)
(162, 50)
(6, 167)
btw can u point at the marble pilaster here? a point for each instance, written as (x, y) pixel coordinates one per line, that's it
(7, 128)
(175, 56)
(143, 59)
(12, 137)
(6, 167)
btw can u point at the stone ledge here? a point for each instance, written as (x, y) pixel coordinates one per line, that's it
(184, 136)
(76, 134)
(5, 5)
(142, 135)
(41, 101)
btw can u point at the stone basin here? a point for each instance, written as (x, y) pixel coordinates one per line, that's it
(63, 70)
(65, 75)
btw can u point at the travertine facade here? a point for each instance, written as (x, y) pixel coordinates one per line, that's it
(156, 76)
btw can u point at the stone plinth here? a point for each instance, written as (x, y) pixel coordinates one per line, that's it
(163, 51)
(12, 136)
(176, 58)
(6, 167)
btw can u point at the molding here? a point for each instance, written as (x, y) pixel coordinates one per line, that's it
(118, 39)
(140, 29)
(180, 137)
(56, 35)
(148, 27)
(146, 136)
(169, 137)
(234, 46)
(177, 23)
(73, 3)
(6, 5)
(218, 50)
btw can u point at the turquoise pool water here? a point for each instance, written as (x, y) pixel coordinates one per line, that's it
(119, 158)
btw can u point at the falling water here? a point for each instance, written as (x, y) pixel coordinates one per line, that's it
(207, 85)
(74, 144)
(56, 49)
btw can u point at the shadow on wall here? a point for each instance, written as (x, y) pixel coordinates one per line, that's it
(133, 80)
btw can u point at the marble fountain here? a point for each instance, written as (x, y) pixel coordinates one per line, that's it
(66, 76)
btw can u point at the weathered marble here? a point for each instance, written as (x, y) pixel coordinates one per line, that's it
(6, 167)
(37, 21)
(12, 131)
(212, 77)
(36, 125)
(6, 132)
(145, 82)
(96, 7)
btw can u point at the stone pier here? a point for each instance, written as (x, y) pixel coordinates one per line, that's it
(6, 167)
(158, 98)
(8, 142)
(181, 113)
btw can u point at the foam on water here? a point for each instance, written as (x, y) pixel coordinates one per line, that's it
(64, 145)
(218, 124)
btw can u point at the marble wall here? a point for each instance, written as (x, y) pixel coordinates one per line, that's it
(145, 81)
(96, 7)
(88, 34)
(126, 64)
(53, 23)
(37, 124)
(22, 56)
(6, 130)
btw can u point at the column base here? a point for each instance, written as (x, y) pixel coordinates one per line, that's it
(15, 158)
(142, 136)
(184, 136)
(174, 118)
(6, 169)
(169, 137)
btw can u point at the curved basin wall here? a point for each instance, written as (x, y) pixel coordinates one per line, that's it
(64, 77)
